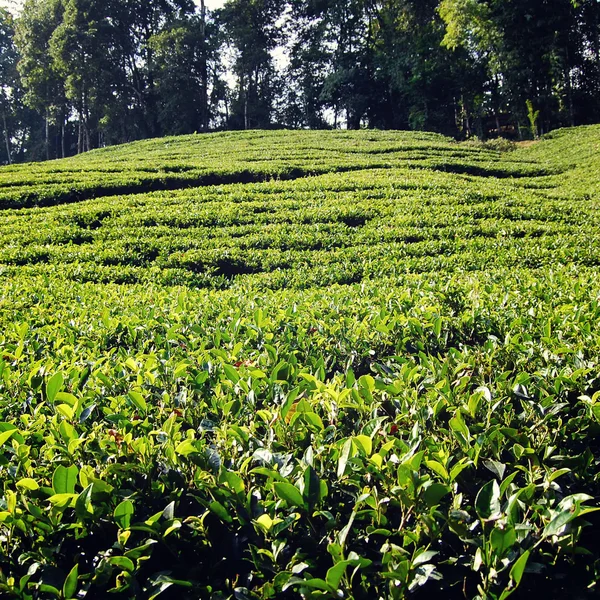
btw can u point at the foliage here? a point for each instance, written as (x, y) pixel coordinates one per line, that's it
(533, 116)
(95, 73)
(380, 380)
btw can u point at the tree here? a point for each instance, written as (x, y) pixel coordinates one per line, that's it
(186, 64)
(252, 31)
(416, 78)
(530, 49)
(108, 71)
(587, 68)
(309, 65)
(77, 47)
(135, 24)
(8, 79)
(43, 84)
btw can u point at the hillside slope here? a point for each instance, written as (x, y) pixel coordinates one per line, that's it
(388, 203)
(316, 364)
(241, 157)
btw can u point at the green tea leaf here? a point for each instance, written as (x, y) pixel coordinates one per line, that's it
(234, 481)
(335, 574)
(437, 468)
(424, 557)
(122, 562)
(86, 413)
(63, 500)
(83, 504)
(503, 539)
(123, 513)
(557, 524)
(54, 385)
(64, 479)
(314, 584)
(365, 443)
(487, 502)
(186, 448)
(497, 468)
(516, 574)
(290, 493)
(343, 459)
(28, 484)
(231, 373)
(70, 585)
(433, 493)
(219, 510)
(65, 397)
(461, 430)
(138, 401)
(312, 487)
(6, 435)
(517, 570)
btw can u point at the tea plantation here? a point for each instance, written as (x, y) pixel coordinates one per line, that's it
(302, 365)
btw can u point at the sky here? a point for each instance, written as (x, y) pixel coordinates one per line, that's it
(212, 4)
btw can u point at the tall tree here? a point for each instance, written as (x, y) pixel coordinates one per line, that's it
(253, 32)
(108, 71)
(417, 79)
(587, 70)
(77, 47)
(43, 83)
(308, 67)
(532, 51)
(186, 64)
(8, 79)
(135, 24)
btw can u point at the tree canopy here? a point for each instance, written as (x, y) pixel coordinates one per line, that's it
(78, 74)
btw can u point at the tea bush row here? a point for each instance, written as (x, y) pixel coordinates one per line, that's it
(192, 406)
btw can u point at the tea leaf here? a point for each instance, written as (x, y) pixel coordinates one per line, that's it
(487, 502)
(123, 513)
(70, 585)
(64, 479)
(289, 493)
(54, 385)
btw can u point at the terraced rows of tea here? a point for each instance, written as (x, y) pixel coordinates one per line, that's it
(302, 364)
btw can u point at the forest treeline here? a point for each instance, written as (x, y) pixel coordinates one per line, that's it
(78, 74)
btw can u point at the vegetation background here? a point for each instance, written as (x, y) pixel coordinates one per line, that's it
(356, 363)
(78, 74)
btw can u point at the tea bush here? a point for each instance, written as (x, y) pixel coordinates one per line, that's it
(378, 378)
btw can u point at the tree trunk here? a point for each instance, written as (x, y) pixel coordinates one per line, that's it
(570, 98)
(466, 120)
(62, 136)
(244, 99)
(87, 137)
(151, 100)
(497, 105)
(567, 76)
(6, 137)
(457, 122)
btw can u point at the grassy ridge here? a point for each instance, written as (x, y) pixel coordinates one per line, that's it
(377, 381)
(187, 161)
(369, 222)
